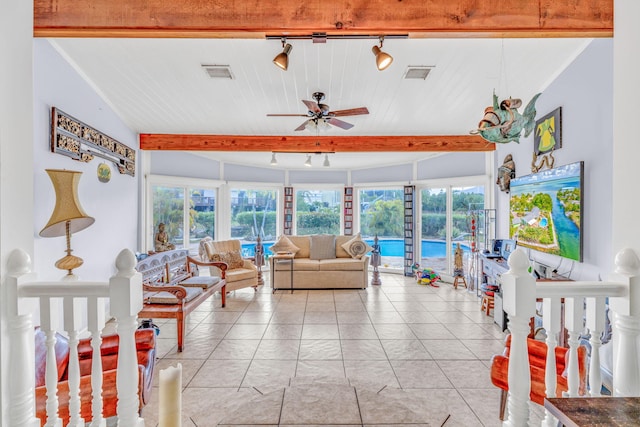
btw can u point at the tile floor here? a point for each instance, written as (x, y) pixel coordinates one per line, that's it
(424, 351)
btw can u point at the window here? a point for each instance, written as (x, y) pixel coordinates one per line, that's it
(317, 212)
(464, 201)
(448, 208)
(168, 209)
(434, 229)
(382, 214)
(202, 215)
(187, 213)
(253, 213)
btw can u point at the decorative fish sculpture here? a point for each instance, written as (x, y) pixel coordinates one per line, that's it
(502, 123)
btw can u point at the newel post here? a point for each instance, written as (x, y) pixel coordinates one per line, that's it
(125, 293)
(626, 326)
(519, 301)
(21, 351)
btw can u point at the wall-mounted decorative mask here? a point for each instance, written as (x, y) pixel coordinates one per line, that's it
(505, 173)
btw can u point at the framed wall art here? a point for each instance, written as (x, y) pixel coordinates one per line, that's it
(73, 138)
(548, 134)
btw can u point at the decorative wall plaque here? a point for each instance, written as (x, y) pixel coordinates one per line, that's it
(73, 138)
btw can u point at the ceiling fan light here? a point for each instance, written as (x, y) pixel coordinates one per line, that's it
(383, 59)
(282, 59)
(274, 161)
(308, 162)
(311, 125)
(324, 125)
(326, 163)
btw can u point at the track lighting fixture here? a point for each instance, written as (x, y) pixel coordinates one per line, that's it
(326, 163)
(282, 59)
(308, 162)
(383, 60)
(274, 161)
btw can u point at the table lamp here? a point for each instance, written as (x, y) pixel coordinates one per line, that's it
(68, 216)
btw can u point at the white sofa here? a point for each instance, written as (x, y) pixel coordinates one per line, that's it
(341, 272)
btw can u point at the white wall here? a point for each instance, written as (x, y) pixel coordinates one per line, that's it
(16, 152)
(584, 91)
(114, 205)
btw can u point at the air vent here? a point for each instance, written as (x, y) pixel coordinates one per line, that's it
(218, 71)
(420, 72)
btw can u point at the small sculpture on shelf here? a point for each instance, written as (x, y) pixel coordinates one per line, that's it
(162, 240)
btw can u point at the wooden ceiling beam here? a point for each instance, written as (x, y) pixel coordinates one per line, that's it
(314, 144)
(238, 19)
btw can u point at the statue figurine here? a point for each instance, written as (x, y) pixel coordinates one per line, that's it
(457, 262)
(162, 240)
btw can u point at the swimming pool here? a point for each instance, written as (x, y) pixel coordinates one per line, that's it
(388, 247)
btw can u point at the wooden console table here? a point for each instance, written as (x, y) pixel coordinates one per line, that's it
(595, 411)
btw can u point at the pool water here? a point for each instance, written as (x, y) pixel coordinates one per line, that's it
(543, 222)
(388, 247)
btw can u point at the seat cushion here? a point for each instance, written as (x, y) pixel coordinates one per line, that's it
(169, 298)
(323, 246)
(356, 247)
(204, 282)
(283, 244)
(240, 274)
(341, 264)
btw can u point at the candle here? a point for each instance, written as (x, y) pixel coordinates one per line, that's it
(171, 397)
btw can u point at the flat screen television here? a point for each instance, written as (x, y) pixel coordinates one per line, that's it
(546, 210)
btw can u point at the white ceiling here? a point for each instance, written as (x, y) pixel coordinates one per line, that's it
(159, 86)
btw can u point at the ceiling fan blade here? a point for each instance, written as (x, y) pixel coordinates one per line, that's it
(287, 115)
(339, 123)
(312, 106)
(303, 126)
(349, 112)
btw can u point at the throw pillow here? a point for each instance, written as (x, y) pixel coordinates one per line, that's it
(284, 245)
(357, 247)
(323, 246)
(233, 259)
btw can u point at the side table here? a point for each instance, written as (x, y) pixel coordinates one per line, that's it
(282, 258)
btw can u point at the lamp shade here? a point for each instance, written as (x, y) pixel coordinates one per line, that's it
(67, 208)
(282, 59)
(383, 59)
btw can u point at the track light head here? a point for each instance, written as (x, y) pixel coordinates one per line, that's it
(383, 59)
(282, 59)
(326, 163)
(308, 162)
(274, 161)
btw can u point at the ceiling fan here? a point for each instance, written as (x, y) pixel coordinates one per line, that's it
(319, 114)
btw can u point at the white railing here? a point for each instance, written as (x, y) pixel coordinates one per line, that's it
(584, 307)
(79, 299)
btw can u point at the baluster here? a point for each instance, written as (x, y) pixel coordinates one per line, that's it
(51, 368)
(95, 324)
(73, 370)
(626, 327)
(519, 302)
(551, 309)
(574, 309)
(125, 293)
(596, 323)
(21, 375)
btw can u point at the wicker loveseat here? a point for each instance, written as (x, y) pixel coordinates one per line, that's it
(337, 269)
(241, 273)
